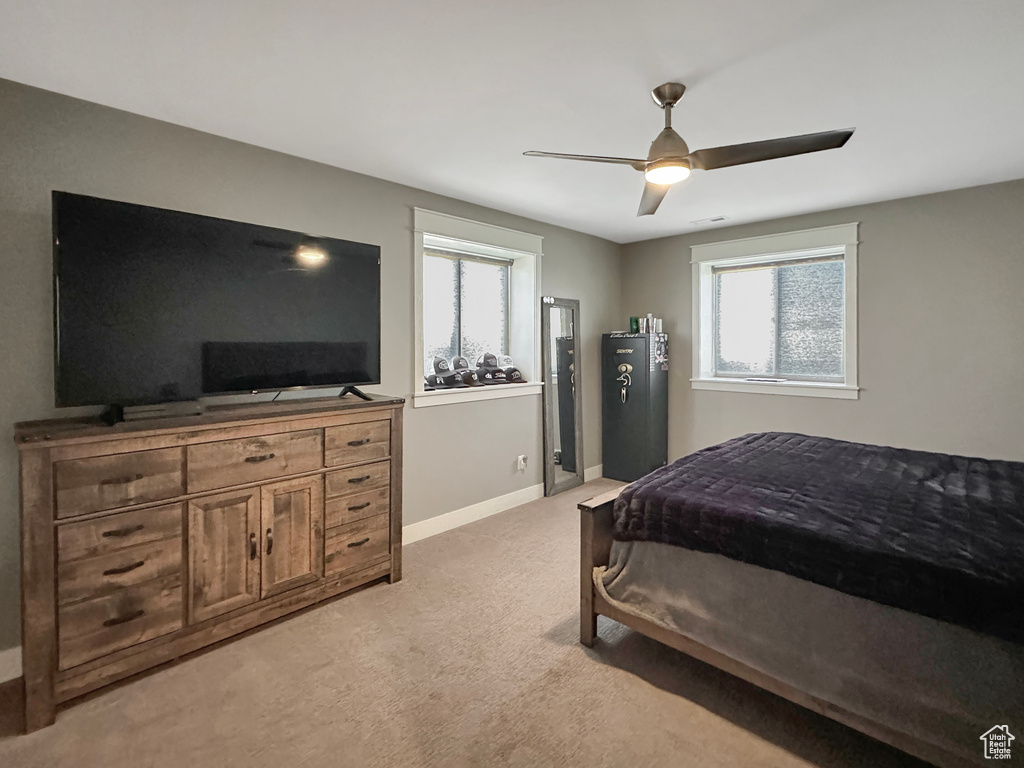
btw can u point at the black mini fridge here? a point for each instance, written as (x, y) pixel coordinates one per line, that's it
(634, 404)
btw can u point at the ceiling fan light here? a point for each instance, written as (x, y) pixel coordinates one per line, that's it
(309, 256)
(667, 172)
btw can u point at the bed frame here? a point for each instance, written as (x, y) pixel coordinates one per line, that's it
(595, 546)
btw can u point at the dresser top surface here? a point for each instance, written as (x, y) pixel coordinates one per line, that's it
(51, 431)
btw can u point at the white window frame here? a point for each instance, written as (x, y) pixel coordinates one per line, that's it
(788, 246)
(441, 231)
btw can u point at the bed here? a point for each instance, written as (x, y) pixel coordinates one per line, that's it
(880, 587)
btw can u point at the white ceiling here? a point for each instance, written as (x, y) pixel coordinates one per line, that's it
(445, 95)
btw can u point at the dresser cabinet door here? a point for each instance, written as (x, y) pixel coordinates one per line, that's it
(292, 534)
(223, 553)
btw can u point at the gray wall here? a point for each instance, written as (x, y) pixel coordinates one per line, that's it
(941, 328)
(941, 318)
(55, 142)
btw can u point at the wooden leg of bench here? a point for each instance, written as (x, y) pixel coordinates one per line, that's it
(588, 619)
(595, 545)
(588, 625)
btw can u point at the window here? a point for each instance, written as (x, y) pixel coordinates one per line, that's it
(780, 319)
(477, 290)
(777, 314)
(465, 306)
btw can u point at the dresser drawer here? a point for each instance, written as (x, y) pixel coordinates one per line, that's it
(354, 443)
(106, 482)
(348, 509)
(357, 544)
(96, 576)
(356, 479)
(94, 628)
(105, 535)
(253, 459)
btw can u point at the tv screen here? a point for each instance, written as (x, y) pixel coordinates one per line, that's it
(156, 306)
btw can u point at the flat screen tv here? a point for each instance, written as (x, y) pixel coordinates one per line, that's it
(155, 306)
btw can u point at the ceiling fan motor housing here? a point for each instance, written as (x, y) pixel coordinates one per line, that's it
(668, 144)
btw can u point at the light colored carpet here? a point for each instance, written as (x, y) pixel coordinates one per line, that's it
(471, 660)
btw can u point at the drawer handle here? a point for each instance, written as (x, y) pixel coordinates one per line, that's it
(124, 619)
(124, 568)
(359, 479)
(123, 480)
(258, 459)
(355, 443)
(270, 540)
(364, 505)
(120, 533)
(359, 543)
(253, 549)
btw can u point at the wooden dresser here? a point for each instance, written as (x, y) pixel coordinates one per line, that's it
(148, 540)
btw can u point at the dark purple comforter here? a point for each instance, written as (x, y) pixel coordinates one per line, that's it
(939, 535)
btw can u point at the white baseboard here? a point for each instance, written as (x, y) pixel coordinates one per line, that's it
(450, 520)
(446, 522)
(10, 663)
(10, 658)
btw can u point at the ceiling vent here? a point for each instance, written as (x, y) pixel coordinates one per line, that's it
(712, 220)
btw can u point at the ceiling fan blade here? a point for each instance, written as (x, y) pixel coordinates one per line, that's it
(638, 164)
(652, 197)
(756, 151)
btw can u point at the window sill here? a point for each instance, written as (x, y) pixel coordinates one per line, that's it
(472, 394)
(797, 388)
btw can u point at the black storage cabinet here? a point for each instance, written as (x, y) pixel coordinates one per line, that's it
(634, 438)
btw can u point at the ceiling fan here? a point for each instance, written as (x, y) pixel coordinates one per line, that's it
(671, 161)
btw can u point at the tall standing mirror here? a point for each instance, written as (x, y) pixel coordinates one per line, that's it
(563, 408)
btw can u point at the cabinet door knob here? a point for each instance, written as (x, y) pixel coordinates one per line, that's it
(270, 540)
(359, 479)
(355, 443)
(364, 505)
(253, 549)
(119, 533)
(359, 543)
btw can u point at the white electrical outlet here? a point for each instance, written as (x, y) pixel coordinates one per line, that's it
(521, 463)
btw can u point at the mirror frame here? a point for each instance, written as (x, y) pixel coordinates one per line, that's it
(551, 484)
